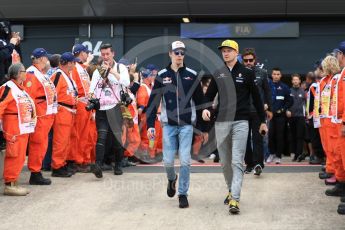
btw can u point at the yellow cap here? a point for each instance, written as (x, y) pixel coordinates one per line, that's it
(229, 43)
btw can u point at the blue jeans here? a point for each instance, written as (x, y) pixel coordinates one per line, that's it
(178, 139)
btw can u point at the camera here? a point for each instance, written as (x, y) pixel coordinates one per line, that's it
(125, 98)
(5, 30)
(93, 104)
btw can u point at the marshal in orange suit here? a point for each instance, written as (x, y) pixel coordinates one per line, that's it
(67, 98)
(79, 154)
(42, 91)
(18, 116)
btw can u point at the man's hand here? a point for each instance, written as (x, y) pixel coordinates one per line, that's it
(269, 115)
(288, 113)
(14, 41)
(151, 133)
(93, 116)
(15, 38)
(136, 77)
(206, 115)
(263, 129)
(132, 68)
(343, 130)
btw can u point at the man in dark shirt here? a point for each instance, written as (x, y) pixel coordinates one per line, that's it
(231, 134)
(177, 90)
(296, 116)
(281, 101)
(254, 157)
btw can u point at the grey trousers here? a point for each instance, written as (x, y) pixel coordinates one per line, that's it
(231, 139)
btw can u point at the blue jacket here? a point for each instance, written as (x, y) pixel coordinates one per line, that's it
(179, 93)
(281, 99)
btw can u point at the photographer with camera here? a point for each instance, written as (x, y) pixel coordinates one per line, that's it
(8, 43)
(106, 96)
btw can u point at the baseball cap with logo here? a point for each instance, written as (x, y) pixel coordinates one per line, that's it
(230, 44)
(146, 73)
(177, 45)
(68, 57)
(39, 52)
(78, 48)
(341, 47)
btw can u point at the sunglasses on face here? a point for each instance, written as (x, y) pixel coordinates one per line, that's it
(248, 60)
(179, 52)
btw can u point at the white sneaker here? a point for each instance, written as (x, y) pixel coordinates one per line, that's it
(212, 156)
(270, 158)
(277, 160)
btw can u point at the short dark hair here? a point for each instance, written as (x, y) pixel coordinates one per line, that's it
(54, 60)
(106, 46)
(296, 75)
(276, 69)
(249, 51)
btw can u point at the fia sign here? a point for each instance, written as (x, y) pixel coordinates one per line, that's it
(243, 29)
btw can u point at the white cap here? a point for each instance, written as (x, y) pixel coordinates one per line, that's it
(177, 45)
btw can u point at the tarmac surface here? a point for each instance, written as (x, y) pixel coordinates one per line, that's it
(284, 197)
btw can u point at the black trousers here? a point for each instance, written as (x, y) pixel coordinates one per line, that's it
(297, 129)
(255, 143)
(276, 135)
(109, 137)
(316, 140)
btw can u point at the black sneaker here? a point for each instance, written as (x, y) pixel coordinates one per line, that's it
(118, 169)
(216, 159)
(127, 163)
(36, 178)
(171, 190)
(301, 157)
(324, 175)
(96, 170)
(70, 167)
(234, 207)
(341, 209)
(248, 170)
(183, 201)
(337, 190)
(257, 170)
(342, 199)
(227, 199)
(61, 172)
(198, 158)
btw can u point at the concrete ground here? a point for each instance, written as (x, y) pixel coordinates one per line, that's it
(137, 200)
